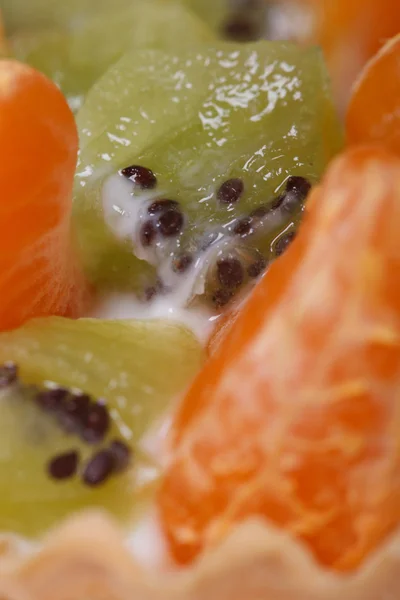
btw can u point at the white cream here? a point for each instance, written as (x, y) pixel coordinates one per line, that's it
(126, 306)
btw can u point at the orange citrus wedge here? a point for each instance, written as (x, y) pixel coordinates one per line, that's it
(296, 417)
(350, 33)
(38, 153)
(374, 110)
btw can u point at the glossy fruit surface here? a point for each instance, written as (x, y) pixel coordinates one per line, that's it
(295, 417)
(223, 129)
(350, 33)
(40, 274)
(75, 57)
(135, 368)
(373, 114)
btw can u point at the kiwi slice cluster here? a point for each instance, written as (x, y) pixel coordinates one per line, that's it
(231, 137)
(76, 398)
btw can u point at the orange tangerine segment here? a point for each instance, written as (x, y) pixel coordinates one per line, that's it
(38, 149)
(374, 110)
(295, 418)
(351, 32)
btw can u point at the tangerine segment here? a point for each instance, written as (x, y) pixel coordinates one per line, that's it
(296, 418)
(351, 32)
(374, 110)
(38, 150)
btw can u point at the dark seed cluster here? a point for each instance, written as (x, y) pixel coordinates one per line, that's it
(76, 413)
(165, 219)
(80, 415)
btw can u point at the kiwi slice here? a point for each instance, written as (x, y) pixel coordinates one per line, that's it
(85, 392)
(74, 54)
(199, 157)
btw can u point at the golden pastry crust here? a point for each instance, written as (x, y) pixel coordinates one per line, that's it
(86, 559)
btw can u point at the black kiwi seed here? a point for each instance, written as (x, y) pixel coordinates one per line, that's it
(8, 374)
(182, 263)
(230, 191)
(278, 201)
(153, 290)
(97, 423)
(299, 185)
(283, 242)
(260, 211)
(170, 223)
(160, 206)
(230, 273)
(239, 29)
(73, 412)
(221, 298)
(147, 233)
(51, 399)
(243, 227)
(141, 176)
(63, 466)
(121, 454)
(99, 468)
(256, 268)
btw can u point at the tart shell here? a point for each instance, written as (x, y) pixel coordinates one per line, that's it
(86, 559)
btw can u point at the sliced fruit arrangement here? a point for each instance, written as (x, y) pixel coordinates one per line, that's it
(202, 165)
(351, 32)
(373, 114)
(295, 417)
(71, 416)
(76, 56)
(39, 144)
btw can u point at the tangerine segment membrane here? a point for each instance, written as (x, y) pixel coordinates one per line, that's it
(39, 144)
(350, 32)
(295, 417)
(373, 114)
(234, 136)
(75, 398)
(75, 57)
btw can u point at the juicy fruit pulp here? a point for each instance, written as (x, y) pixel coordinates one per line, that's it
(137, 367)
(75, 57)
(38, 146)
(256, 113)
(295, 416)
(350, 33)
(373, 114)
